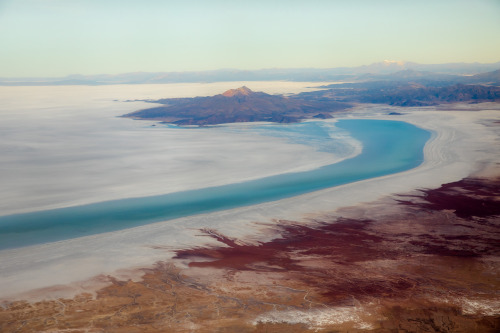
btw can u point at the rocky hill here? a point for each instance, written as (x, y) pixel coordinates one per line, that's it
(237, 105)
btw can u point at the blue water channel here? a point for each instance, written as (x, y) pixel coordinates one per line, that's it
(388, 147)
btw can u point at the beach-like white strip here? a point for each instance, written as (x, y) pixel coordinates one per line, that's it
(461, 142)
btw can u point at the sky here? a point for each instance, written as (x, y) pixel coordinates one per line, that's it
(53, 38)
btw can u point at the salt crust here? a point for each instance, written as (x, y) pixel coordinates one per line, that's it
(317, 318)
(461, 143)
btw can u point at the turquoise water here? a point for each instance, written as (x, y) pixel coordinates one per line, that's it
(388, 147)
(323, 136)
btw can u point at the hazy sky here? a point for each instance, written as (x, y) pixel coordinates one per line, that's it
(61, 37)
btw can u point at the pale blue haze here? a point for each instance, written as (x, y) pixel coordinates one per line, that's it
(61, 37)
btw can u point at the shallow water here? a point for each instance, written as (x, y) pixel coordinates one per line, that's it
(388, 147)
(68, 146)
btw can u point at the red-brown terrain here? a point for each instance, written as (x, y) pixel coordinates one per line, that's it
(425, 262)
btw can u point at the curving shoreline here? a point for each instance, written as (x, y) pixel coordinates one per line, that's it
(389, 147)
(139, 246)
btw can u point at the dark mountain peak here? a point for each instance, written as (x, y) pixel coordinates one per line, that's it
(242, 91)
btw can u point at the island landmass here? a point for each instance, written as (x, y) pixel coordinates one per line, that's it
(237, 105)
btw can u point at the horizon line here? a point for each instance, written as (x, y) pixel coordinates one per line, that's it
(388, 62)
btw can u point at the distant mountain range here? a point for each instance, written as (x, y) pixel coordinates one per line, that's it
(237, 105)
(404, 93)
(490, 78)
(391, 66)
(453, 71)
(431, 78)
(412, 88)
